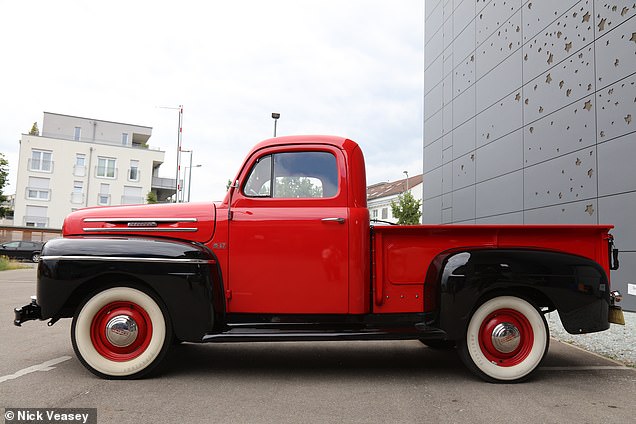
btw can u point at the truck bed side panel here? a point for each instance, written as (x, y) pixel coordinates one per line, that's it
(403, 255)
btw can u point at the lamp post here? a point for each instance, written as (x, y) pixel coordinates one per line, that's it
(275, 116)
(190, 177)
(407, 179)
(185, 173)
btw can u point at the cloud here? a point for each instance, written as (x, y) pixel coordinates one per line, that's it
(351, 68)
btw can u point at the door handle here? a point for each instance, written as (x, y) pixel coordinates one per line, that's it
(338, 220)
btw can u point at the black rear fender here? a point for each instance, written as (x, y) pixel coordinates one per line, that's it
(575, 286)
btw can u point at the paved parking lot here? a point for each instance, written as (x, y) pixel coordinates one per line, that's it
(351, 382)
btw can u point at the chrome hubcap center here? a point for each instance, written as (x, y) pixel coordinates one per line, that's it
(506, 337)
(121, 331)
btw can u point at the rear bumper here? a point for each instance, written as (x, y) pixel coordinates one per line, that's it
(616, 312)
(29, 312)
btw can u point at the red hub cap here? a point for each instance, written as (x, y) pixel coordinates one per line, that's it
(121, 331)
(506, 337)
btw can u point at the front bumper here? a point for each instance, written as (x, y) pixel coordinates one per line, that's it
(29, 312)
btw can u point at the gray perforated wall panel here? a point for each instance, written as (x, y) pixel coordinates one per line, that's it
(530, 116)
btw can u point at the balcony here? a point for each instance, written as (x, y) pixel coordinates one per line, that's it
(164, 187)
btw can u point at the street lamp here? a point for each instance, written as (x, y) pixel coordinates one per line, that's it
(190, 177)
(407, 179)
(275, 116)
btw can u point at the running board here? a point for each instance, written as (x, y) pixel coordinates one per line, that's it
(252, 334)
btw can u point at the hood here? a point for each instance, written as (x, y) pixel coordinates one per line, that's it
(184, 221)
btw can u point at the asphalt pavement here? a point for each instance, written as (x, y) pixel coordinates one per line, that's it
(312, 382)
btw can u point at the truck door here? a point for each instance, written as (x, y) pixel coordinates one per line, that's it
(288, 240)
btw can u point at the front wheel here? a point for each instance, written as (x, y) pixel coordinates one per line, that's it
(121, 332)
(506, 340)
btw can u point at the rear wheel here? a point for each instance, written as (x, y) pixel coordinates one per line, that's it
(121, 332)
(35, 257)
(506, 340)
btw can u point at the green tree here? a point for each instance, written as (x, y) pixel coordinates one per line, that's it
(407, 209)
(34, 129)
(296, 187)
(151, 197)
(4, 173)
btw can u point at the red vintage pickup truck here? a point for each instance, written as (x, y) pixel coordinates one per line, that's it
(290, 255)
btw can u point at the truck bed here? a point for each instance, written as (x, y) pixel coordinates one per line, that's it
(403, 254)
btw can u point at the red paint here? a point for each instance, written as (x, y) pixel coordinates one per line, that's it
(526, 337)
(278, 256)
(115, 353)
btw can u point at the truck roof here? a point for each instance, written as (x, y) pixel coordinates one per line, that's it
(336, 141)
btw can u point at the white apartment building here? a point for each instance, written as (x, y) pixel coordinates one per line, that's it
(380, 196)
(81, 162)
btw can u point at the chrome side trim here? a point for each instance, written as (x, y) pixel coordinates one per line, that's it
(133, 219)
(127, 259)
(140, 229)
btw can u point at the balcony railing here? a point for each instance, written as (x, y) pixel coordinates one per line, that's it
(166, 183)
(79, 170)
(77, 198)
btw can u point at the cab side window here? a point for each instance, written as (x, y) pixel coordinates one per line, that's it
(294, 175)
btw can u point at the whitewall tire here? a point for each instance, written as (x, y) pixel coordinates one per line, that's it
(121, 332)
(506, 340)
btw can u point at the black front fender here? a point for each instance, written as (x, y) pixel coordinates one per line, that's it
(577, 287)
(184, 276)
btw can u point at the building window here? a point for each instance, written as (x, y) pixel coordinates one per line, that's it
(36, 216)
(104, 195)
(77, 134)
(77, 196)
(38, 189)
(41, 161)
(375, 213)
(133, 172)
(385, 213)
(124, 139)
(132, 196)
(79, 170)
(106, 167)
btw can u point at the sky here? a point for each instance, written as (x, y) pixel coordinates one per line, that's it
(353, 68)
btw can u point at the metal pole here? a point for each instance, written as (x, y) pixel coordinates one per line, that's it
(407, 179)
(179, 135)
(190, 176)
